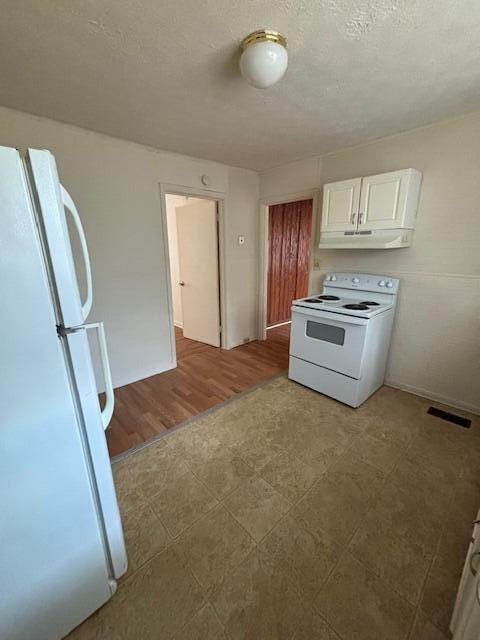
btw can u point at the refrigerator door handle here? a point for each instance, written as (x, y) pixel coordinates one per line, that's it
(70, 206)
(107, 375)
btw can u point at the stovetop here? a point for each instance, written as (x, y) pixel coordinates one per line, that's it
(363, 306)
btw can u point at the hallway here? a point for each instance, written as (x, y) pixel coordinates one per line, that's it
(205, 376)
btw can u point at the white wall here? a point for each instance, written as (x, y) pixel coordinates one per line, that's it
(241, 268)
(171, 202)
(436, 343)
(291, 178)
(116, 187)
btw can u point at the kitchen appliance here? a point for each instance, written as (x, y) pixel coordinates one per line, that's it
(61, 539)
(339, 339)
(465, 623)
(373, 212)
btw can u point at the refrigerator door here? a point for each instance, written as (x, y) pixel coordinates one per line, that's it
(83, 382)
(54, 567)
(471, 629)
(466, 615)
(468, 626)
(53, 204)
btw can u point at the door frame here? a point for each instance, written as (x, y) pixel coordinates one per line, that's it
(265, 203)
(205, 194)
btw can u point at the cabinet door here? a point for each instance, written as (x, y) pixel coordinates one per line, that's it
(340, 205)
(383, 200)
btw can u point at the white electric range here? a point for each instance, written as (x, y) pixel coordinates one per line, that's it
(340, 339)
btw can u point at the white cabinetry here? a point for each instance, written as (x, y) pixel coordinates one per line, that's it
(373, 212)
(340, 205)
(386, 200)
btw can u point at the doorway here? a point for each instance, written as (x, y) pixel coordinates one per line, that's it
(288, 258)
(193, 248)
(201, 376)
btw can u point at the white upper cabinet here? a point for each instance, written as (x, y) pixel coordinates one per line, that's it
(341, 201)
(386, 199)
(376, 212)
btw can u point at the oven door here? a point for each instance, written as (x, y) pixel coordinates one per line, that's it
(331, 340)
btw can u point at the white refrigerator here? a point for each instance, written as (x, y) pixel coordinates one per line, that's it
(61, 539)
(465, 623)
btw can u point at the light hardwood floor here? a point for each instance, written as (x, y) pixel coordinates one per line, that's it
(204, 377)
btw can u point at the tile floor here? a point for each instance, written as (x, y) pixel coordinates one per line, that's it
(285, 515)
(205, 376)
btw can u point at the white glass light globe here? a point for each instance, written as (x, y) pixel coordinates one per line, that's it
(264, 63)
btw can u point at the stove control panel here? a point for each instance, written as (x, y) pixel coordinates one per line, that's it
(362, 281)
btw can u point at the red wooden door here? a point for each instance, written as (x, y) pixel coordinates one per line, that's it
(289, 233)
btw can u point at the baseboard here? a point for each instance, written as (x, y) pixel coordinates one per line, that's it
(436, 397)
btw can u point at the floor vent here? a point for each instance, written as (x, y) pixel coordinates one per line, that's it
(451, 417)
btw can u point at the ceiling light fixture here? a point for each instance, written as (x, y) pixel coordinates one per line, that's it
(264, 58)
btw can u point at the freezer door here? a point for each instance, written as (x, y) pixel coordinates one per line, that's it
(53, 564)
(53, 204)
(83, 381)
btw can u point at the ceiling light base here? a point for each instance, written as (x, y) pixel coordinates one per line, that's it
(263, 35)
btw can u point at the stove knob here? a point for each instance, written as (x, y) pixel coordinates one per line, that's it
(389, 284)
(328, 277)
(355, 280)
(333, 278)
(381, 283)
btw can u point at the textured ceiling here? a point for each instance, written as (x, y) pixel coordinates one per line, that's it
(165, 73)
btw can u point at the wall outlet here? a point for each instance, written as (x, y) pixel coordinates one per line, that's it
(316, 263)
(241, 240)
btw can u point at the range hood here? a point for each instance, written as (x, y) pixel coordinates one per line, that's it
(372, 239)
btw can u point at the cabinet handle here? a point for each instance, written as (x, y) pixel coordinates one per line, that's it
(473, 569)
(353, 218)
(360, 216)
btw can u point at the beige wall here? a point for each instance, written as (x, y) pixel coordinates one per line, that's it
(241, 268)
(435, 347)
(436, 343)
(116, 187)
